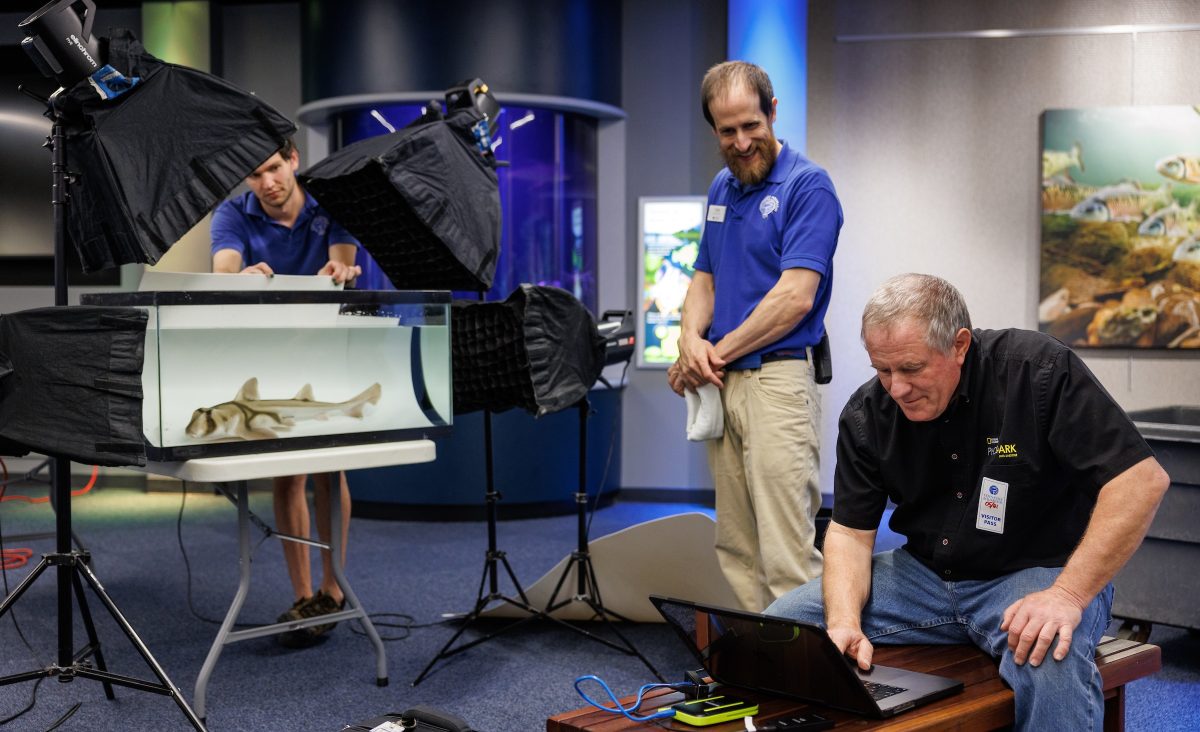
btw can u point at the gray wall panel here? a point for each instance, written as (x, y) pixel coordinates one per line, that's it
(667, 47)
(934, 147)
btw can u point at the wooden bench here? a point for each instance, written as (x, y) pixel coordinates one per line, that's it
(985, 703)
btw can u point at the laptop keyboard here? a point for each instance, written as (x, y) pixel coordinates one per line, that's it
(882, 691)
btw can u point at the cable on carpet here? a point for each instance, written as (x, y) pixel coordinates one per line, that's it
(379, 621)
(63, 719)
(17, 558)
(187, 565)
(32, 703)
(46, 499)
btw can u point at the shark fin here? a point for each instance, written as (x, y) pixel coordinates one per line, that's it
(369, 396)
(305, 394)
(248, 392)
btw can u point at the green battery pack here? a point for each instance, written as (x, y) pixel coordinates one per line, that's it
(712, 710)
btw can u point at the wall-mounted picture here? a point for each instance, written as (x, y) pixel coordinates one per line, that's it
(669, 231)
(1120, 256)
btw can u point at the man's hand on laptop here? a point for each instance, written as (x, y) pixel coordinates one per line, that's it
(854, 644)
(1033, 621)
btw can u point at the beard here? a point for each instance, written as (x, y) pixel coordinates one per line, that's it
(754, 171)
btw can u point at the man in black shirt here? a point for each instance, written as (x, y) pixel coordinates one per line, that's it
(1021, 486)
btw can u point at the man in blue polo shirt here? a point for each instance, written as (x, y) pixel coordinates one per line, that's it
(753, 311)
(277, 228)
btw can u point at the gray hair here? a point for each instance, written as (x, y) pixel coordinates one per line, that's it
(924, 298)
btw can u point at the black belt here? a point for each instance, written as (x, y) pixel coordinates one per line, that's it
(783, 356)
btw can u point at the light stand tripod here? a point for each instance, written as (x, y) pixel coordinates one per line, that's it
(587, 589)
(71, 566)
(490, 577)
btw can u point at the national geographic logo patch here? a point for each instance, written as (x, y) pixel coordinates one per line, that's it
(1000, 450)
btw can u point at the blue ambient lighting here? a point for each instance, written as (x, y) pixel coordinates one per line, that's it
(774, 35)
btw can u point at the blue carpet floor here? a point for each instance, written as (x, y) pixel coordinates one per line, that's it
(417, 570)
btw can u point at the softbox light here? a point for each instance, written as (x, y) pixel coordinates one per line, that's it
(150, 163)
(71, 383)
(539, 350)
(422, 200)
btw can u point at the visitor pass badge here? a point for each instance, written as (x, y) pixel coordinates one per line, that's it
(993, 497)
(716, 213)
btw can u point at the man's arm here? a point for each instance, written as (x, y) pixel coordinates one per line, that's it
(780, 311)
(1123, 512)
(341, 264)
(846, 584)
(698, 363)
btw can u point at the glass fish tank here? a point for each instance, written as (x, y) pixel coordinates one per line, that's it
(234, 373)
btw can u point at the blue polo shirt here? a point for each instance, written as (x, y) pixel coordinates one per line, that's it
(753, 233)
(241, 224)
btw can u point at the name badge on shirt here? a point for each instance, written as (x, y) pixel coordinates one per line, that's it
(716, 213)
(993, 497)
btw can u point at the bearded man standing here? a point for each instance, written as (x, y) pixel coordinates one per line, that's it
(753, 312)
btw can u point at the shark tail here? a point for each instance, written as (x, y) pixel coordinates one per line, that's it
(358, 404)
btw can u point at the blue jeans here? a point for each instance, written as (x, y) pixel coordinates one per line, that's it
(909, 604)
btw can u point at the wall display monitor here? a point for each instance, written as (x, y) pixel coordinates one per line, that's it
(1120, 239)
(669, 229)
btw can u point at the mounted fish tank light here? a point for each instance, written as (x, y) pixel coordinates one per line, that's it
(240, 372)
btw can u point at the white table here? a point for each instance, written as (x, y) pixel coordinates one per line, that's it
(237, 470)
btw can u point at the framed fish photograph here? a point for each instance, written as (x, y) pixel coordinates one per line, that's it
(669, 234)
(1120, 235)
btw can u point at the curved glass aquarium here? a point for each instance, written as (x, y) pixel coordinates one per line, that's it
(547, 177)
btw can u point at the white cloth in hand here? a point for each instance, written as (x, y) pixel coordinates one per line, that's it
(705, 418)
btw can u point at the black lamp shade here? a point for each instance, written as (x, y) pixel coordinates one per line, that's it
(422, 200)
(71, 383)
(538, 350)
(153, 161)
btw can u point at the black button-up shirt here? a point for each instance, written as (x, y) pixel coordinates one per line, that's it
(1029, 427)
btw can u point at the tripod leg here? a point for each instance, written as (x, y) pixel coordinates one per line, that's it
(24, 585)
(629, 647)
(551, 605)
(490, 572)
(142, 650)
(594, 592)
(93, 648)
(513, 578)
(7, 603)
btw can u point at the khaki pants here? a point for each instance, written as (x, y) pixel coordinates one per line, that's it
(765, 470)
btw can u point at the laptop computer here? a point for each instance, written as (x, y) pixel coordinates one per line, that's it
(794, 659)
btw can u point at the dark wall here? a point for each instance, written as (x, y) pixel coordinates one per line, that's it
(568, 48)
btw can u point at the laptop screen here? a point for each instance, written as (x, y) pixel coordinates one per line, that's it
(766, 654)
